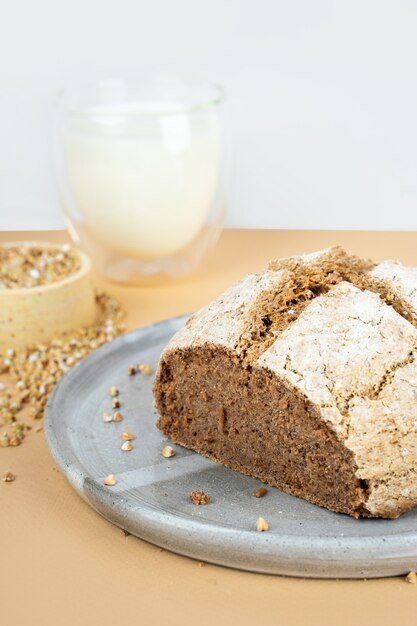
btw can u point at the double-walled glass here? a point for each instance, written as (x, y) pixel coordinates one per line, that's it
(142, 170)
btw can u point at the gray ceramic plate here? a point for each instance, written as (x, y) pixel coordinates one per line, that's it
(151, 498)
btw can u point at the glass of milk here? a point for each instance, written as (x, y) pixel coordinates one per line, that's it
(142, 173)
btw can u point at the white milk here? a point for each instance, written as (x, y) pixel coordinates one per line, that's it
(144, 185)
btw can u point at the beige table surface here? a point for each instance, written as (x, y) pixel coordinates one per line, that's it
(62, 564)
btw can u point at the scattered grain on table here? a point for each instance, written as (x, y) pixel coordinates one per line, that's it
(30, 374)
(145, 369)
(9, 477)
(168, 452)
(199, 498)
(110, 480)
(262, 525)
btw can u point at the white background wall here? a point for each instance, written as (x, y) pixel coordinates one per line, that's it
(323, 98)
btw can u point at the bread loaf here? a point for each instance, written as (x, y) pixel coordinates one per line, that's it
(304, 376)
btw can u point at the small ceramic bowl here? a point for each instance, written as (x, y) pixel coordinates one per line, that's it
(34, 315)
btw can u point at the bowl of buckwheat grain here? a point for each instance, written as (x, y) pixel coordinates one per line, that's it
(45, 291)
